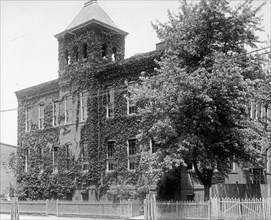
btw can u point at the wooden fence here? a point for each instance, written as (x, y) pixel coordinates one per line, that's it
(126, 209)
(226, 209)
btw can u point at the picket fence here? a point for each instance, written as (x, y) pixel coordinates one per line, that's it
(216, 209)
(124, 209)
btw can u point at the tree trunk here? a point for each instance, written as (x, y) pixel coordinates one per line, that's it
(207, 192)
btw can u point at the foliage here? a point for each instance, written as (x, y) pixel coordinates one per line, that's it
(195, 105)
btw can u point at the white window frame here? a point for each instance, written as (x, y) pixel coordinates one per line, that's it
(131, 105)
(152, 142)
(27, 120)
(26, 154)
(41, 116)
(110, 98)
(55, 159)
(41, 159)
(67, 115)
(55, 113)
(268, 164)
(131, 156)
(68, 155)
(83, 109)
(85, 157)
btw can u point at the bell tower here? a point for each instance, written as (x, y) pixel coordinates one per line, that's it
(92, 38)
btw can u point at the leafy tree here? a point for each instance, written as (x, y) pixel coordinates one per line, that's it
(195, 104)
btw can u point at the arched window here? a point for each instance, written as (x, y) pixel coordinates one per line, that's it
(104, 50)
(76, 53)
(67, 57)
(114, 54)
(85, 50)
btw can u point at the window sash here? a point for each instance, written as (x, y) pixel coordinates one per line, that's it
(55, 113)
(84, 156)
(41, 116)
(83, 105)
(110, 95)
(132, 154)
(55, 159)
(27, 120)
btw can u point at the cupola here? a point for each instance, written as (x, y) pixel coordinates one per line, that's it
(91, 37)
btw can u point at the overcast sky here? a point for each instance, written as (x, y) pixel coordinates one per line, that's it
(29, 48)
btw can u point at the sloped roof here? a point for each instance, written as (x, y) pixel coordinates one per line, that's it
(92, 13)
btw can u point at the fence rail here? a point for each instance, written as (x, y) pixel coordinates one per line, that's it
(216, 209)
(65, 208)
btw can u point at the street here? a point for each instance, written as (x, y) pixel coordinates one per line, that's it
(32, 217)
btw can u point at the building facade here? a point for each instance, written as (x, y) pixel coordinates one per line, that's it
(7, 174)
(77, 133)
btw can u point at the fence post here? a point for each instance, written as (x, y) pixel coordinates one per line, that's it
(263, 205)
(46, 207)
(210, 209)
(57, 208)
(177, 208)
(15, 208)
(130, 208)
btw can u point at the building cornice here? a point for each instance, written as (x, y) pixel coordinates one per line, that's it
(41, 89)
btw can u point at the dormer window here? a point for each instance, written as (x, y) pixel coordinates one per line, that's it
(76, 54)
(85, 51)
(104, 50)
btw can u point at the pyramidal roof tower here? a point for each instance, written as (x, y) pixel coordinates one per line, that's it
(91, 38)
(92, 13)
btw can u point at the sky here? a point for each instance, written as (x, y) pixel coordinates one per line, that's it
(29, 49)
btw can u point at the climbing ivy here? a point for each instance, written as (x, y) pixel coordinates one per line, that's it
(94, 74)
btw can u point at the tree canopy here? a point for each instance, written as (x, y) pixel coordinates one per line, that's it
(195, 105)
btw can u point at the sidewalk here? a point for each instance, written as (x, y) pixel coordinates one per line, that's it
(33, 217)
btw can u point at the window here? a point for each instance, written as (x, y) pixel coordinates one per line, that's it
(110, 102)
(131, 106)
(154, 146)
(253, 110)
(27, 120)
(85, 196)
(55, 113)
(41, 116)
(104, 50)
(268, 163)
(256, 175)
(114, 54)
(67, 57)
(85, 51)
(132, 154)
(83, 105)
(25, 160)
(67, 109)
(68, 156)
(76, 54)
(110, 155)
(84, 155)
(55, 159)
(232, 166)
(41, 159)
